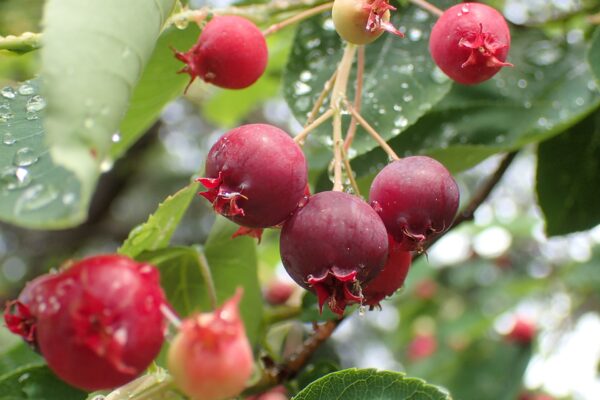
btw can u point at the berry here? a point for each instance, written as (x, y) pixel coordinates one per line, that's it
(362, 21)
(470, 42)
(20, 315)
(256, 175)
(279, 292)
(422, 346)
(332, 246)
(417, 200)
(523, 331)
(231, 53)
(277, 393)
(210, 358)
(391, 277)
(101, 325)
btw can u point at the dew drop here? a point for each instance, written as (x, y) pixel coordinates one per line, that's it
(12, 178)
(415, 34)
(23, 378)
(407, 97)
(68, 199)
(116, 137)
(35, 198)
(421, 15)
(181, 23)
(522, 83)
(579, 101)
(26, 89)
(306, 76)
(35, 103)
(465, 9)
(8, 92)
(401, 122)
(301, 88)
(6, 114)
(328, 25)
(25, 157)
(8, 139)
(106, 165)
(397, 107)
(544, 53)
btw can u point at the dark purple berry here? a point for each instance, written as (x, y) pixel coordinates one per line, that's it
(255, 175)
(332, 246)
(417, 199)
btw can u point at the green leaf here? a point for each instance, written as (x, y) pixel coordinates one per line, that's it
(34, 191)
(568, 178)
(593, 55)
(547, 91)
(401, 82)
(17, 356)
(157, 231)
(36, 383)
(232, 264)
(360, 384)
(93, 54)
(160, 83)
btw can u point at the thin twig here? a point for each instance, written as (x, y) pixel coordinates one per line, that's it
(297, 18)
(170, 315)
(207, 275)
(349, 172)
(23, 43)
(360, 69)
(427, 6)
(299, 138)
(326, 89)
(381, 141)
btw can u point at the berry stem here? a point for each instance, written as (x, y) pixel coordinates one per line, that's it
(326, 89)
(170, 315)
(208, 279)
(338, 95)
(360, 69)
(349, 172)
(390, 152)
(299, 138)
(23, 43)
(427, 6)
(301, 16)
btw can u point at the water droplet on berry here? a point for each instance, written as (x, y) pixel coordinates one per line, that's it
(465, 9)
(25, 157)
(8, 92)
(25, 89)
(8, 139)
(35, 103)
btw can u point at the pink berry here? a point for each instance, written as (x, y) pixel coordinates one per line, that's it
(210, 358)
(523, 331)
(278, 292)
(101, 325)
(470, 42)
(417, 200)
(391, 277)
(362, 21)
(256, 175)
(231, 53)
(422, 346)
(332, 246)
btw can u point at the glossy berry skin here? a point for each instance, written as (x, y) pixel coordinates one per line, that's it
(210, 358)
(523, 331)
(417, 200)
(362, 21)
(470, 42)
(102, 326)
(391, 277)
(332, 246)
(231, 53)
(256, 175)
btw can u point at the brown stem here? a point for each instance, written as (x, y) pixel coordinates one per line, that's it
(427, 6)
(297, 18)
(299, 138)
(360, 69)
(326, 89)
(349, 172)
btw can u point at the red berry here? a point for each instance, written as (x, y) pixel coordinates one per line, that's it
(210, 358)
(362, 21)
(277, 393)
(391, 277)
(20, 315)
(417, 199)
(470, 42)
(279, 292)
(523, 331)
(422, 346)
(332, 246)
(231, 53)
(256, 175)
(426, 289)
(101, 326)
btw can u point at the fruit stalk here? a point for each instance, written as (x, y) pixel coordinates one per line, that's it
(371, 131)
(299, 138)
(326, 89)
(360, 69)
(428, 7)
(208, 279)
(301, 16)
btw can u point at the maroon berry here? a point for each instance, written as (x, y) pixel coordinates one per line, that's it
(332, 246)
(470, 42)
(362, 21)
(101, 326)
(417, 199)
(256, 175)
(210, 358)
(391, 277)
(278, 292)
(231, 53)
(20, 315)
(523, 331)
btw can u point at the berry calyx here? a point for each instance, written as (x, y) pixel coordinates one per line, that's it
(362, 21)
(101, 325)
(470, 42)
(332, 246)
(255, 175)
(391, 277)
(210, 358)
(417, 200)
(231, 53)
